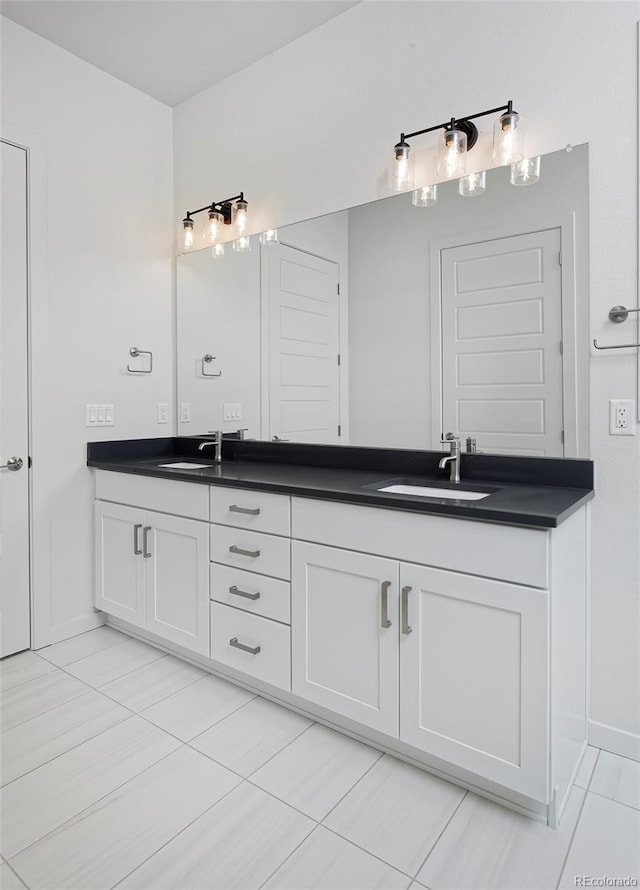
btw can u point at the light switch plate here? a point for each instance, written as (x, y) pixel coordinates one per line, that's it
(99, 415)
(232, 411)
(185, 412)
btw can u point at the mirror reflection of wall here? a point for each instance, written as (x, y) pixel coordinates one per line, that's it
(448, 317)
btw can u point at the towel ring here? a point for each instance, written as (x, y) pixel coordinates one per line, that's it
(135, 352)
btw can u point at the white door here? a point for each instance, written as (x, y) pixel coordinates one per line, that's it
(501, 336)
(177, 580)
(344, 633)
(120, 564)
(301, 395)
(15, 625)
(474, 675)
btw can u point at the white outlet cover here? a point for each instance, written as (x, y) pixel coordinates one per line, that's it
(622, 417)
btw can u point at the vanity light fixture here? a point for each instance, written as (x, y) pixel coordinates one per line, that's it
(231, 211)
(460, 135)
(473, 184)
(269, 238)
(242, 244)
(426, 196)
(217, 250)
(525, 172)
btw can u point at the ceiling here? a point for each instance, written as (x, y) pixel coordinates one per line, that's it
(172, 49)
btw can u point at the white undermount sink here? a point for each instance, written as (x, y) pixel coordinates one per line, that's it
(185, 465)
(425, 492)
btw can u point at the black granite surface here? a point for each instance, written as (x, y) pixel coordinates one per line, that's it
(535, 492)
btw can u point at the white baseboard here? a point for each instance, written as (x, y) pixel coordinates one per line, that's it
(626, 744)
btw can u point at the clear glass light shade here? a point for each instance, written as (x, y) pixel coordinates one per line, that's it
(426, 196)
(525, 172)
(452, 156)
(473, 184)
(401, 168)
(242, 245)
(240, 217)
(214, 226)
(217, 250)
(187, 234)
(269, 237)
(508, 139)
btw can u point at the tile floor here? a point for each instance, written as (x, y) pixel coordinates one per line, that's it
(124, 767)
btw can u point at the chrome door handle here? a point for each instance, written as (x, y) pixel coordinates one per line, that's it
(405, 610)
(136, 544)
(145, 532)
(234, 508)
(14, 463)
(384, 604)
(237, 592)
(234, 549)
(253, 650)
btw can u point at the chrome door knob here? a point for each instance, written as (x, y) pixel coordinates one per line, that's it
(14, 463)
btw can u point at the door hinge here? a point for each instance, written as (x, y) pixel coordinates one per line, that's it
(29, 462)
(560, 258)
(338, 289)
(339, 430)
(562, 436)
(561, 348)
(338, 358)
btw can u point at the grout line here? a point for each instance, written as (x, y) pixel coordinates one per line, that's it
(39, 652)
(437, 840)
(620, 803)
(48, 710)
(593, 771)
(573, 834)
(355, 785)
(11, 868)
(287, 858)
(197, 735)
(406, 874)
(173, 838)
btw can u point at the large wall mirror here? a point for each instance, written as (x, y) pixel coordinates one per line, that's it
(389, 324)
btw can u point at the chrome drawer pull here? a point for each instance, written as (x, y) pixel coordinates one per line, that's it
(237, 592)
(136, 545)
(384, 607)
(405, 610)
(234, 508)
(253, 650)
(234, 549)
(145, 546)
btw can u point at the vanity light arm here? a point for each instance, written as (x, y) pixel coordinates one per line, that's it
(215, 204)
(469, 117)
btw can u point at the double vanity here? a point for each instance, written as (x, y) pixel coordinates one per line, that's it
(443, 622)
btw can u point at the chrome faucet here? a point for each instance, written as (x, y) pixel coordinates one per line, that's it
(453, 458)
(217, 441)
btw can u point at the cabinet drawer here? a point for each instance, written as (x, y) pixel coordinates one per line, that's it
(496, 551)
(266, 554)
(256, 510)
(232, 628)
(162, 495)
(251, 592)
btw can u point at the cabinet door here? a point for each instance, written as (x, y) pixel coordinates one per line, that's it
(474, 675)
(344, 647)
(177, 582)
(119, 578)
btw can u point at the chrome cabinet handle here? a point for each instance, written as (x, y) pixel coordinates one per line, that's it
(234, 508)
(384, 604)
(145, 533)
(253, 650)
(234, 549)
(14, 463)
(136, 543)
(405, 610)
(237, 592)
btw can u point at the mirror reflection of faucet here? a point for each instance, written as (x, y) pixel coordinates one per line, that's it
(453, 458)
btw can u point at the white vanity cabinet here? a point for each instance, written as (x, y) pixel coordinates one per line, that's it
(152, 567)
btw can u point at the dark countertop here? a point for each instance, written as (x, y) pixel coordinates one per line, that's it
(523, 491)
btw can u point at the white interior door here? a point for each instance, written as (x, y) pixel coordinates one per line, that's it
(15, 625)
(301, 393)
(501, 343)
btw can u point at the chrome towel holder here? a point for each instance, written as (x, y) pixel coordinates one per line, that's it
(618, 314)
(135, 352)
(208, 358)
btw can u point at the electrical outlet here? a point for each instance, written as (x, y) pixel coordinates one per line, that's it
(185, 412)
(163, 412)
(622, 419)
(98, 415)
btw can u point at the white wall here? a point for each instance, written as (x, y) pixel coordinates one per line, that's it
(102, 239)
(309, 129)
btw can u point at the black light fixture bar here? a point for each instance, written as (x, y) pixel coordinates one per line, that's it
(223, 207)
(458, 120)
